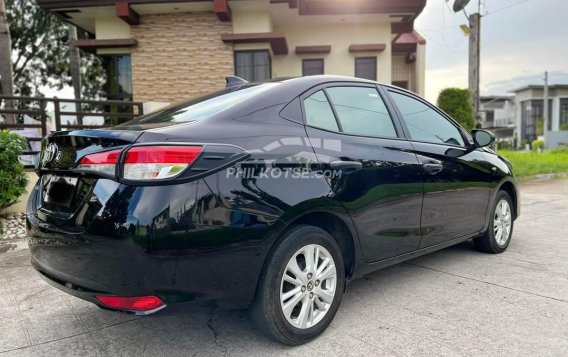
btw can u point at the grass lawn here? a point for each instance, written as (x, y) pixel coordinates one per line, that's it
(527, 164)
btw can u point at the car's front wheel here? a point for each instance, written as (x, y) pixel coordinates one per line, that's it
(301, 288)
(498, 235)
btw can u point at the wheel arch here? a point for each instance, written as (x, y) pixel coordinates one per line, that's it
(336, 227)
(511, 189)
(337, 224)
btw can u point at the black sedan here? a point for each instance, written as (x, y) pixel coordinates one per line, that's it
(269, 195)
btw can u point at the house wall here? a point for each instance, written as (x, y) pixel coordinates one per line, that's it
(179, 56)
(505, 115)
(538, 94)
(251, 21)
(340, 37)
(420, 67)
(402, 71)
(111, 27)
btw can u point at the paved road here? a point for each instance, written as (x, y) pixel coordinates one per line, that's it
(453, 302)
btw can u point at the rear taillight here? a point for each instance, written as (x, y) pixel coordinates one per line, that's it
(103, 162)
(132, 303)
(158, 162)
(143, 162)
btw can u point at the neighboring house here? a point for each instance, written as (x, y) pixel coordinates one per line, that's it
(529, 102)
(165, 51)
(497, 113)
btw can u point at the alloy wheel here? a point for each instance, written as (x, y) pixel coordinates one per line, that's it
(308, 286)
(502, 221)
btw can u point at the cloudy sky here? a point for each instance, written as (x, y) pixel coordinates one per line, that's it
(520, 39)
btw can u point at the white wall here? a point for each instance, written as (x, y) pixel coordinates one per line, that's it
(339, 37)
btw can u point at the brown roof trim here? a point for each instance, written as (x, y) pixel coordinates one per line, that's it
(93, 45)
(222, 10)
(277, 40)
(335, 7)
(371, 47)
(330, 7)
(407, 42)
(126, 13)
(421, 40)
(403, 47)
(306, 50)
(64, 4)
(402, 27)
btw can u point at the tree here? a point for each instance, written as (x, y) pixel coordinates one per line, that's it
(6, 78)
(456, 103)
(40, 52)
(13, 178)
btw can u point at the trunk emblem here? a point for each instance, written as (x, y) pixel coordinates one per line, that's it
(50, 153)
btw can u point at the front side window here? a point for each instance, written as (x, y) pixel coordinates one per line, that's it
(319, 112)
(424, 123)
(253, 66)
(366, 68)
(312, 67)
(361, 111)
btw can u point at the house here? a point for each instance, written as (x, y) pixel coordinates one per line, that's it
(497, 113)
(529, 102)
(170, 50)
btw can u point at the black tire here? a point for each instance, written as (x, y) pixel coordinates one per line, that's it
(487, 242)
(266, 310)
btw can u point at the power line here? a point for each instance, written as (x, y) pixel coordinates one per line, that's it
(507, 7)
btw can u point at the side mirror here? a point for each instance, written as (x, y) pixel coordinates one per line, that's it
(482, 138)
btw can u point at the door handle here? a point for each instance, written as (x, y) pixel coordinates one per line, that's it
(433, 168)
(347, 166)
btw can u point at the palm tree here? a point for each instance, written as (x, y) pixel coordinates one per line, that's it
(6, 79)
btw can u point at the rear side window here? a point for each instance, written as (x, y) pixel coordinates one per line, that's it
(319, 112)
(362, 111)
(424, 123)
(203, 107)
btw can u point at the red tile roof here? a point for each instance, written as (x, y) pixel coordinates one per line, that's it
(410, 38)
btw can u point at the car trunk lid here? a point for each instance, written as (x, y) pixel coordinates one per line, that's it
(63, 193)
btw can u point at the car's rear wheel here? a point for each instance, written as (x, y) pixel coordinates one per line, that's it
(301, 288)
(498, 235)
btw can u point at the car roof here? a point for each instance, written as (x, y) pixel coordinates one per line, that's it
(294, 86)
(312, 81)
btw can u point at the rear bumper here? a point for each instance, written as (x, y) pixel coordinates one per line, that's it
(85, 293)
(188, 260)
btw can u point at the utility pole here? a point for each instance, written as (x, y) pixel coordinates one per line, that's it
(474, 60)
(473, 30)
(545, 107)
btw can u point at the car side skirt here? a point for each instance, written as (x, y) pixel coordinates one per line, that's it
(368, 268)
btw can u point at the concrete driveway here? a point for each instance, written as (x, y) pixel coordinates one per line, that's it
(453, 302)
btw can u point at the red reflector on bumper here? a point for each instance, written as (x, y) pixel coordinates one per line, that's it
(131, 303)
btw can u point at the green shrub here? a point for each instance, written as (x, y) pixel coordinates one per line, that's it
(457, 103)
(537, 145)
(13, 178)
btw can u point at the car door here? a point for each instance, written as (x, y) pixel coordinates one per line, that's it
(370, 168)
(456, 180)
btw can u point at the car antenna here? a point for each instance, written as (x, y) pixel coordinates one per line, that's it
(233, 81)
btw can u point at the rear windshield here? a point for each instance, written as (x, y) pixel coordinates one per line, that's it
(202, 107)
